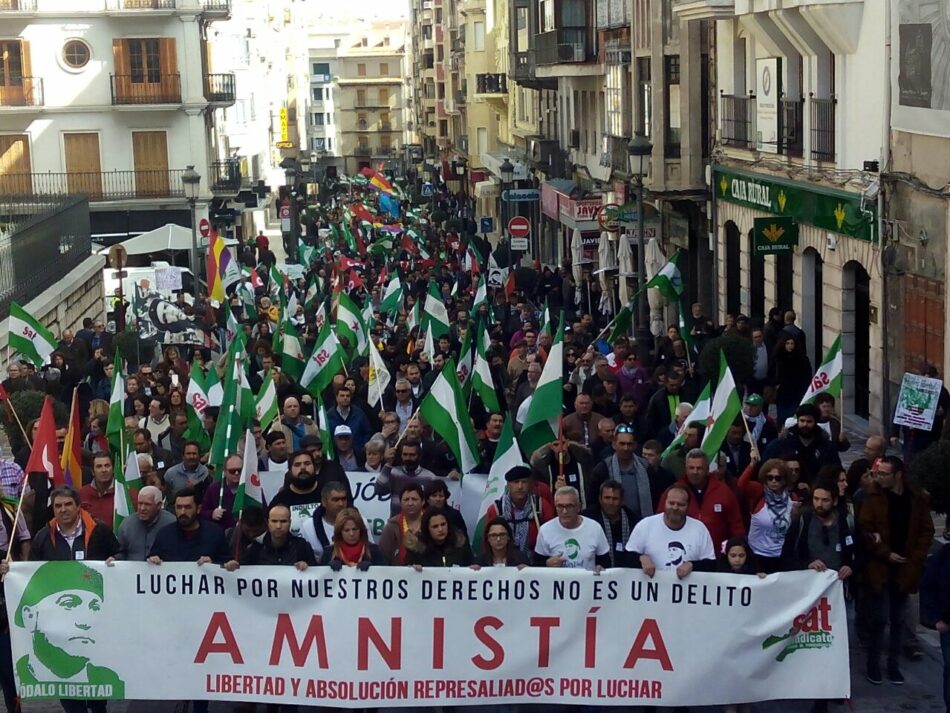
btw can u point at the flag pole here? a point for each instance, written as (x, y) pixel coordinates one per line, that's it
(227, 431)
(414, 417)
(19, 506)
(19, 423)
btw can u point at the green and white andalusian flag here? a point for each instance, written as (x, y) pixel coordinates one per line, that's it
(445, 410)
(392, 296)
(827, 380)
(481, 293)
(196, 401)
(482, 381)
(124, 479)
(115, 425)
(466, 363)
(725, 407)
(349, 325)
(325, 362)
(699, 414)
(265, 405)
(544, 414)
(292, 357)
(323, 426)
(546, 317)
(249, 493)
(436, 315)
(28, 337)
(669, 280)
(507, 456)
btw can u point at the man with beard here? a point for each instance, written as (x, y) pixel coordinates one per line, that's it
(672, 539)
(807, 442)
(302, 492)
(488, 444)
(616, 519)
(317, 530)
(189, 539)
(393, 478)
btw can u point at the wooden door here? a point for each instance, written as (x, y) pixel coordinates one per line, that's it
(83, 168)
(923, 323)
(15, 167)
(150, 158)
(12, 73)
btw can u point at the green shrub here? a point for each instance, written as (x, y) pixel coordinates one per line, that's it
(929, 471)
(740, 355)
(28, 405)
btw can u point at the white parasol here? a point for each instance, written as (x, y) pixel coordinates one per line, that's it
(604, 260)
(577, 257)
(625, 262)
(655, 260)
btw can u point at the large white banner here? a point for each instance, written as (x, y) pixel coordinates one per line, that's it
(396, 637)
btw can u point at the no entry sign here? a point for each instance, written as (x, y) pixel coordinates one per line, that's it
(519, 227)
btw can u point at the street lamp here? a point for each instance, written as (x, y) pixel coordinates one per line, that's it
(289, 164)
(639, 151)
(460, 170)
(507, 171)
(192, 181)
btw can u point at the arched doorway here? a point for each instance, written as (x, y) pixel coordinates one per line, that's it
(733, 269)
(783, 281)
(812, 320)
(756, 282)
(856, 338)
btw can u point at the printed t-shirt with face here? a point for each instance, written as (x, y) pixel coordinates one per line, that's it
(578, 547)
(670, 548)
(301, 506)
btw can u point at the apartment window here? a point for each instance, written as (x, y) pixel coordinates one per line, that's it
(360, 97)
(328, 118)
(673, 122)
(318, 143)
(384, 97)
(317, 118)
(321, 71)
(329, 144)
(360, 70)
(478, 36)
(383, 69)
(438, 16)
(546, 15)
(613, 100)
(384, 124)
(76, 54)
(645, 97)
(316, 93)
(145, 61)
(522, 29)
(361, 122)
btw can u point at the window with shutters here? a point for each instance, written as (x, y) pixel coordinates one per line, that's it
(145, 61)
(11, 63)
(361, 70)
(360, 97)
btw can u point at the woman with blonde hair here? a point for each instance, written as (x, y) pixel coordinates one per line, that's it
(772, 504)
(351, 545)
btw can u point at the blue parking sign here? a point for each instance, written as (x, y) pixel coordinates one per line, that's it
(486, 224)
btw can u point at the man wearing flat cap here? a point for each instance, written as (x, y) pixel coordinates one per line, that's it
(526, 504)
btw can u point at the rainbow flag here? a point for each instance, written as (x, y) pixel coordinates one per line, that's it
(72, 448)
(377, 180)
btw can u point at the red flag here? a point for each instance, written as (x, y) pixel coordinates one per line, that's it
(255, 279)
(5, 398)
(356, 281)
(381, 280)
(44, 458)
(409, 245)
(348, 264)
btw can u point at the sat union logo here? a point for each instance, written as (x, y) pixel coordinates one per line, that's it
(811, 630)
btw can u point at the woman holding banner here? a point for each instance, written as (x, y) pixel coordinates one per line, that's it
(439, 543)
(404, 527)
(351, 545)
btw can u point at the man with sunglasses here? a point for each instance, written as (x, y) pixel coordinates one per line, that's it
(217, 507)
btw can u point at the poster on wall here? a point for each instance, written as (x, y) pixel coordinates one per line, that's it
(920, 68)
(768, 88)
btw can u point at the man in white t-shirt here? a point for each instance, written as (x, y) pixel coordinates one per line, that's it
(571, 540)
(672, 540)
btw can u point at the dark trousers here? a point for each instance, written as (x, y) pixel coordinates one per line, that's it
(887, 609)
(74, 706)
(7, 682)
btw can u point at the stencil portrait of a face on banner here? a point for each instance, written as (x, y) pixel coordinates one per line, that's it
(160, 318)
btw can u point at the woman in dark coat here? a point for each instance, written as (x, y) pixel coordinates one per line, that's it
(791, 374)
(439, 544)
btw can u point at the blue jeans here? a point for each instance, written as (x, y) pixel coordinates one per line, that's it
(945, 650)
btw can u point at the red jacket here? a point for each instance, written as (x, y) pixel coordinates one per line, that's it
(102, 506)
(719, 510)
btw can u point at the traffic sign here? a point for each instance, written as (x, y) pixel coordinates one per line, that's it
(204, 227)
(427, 190)
(486, 224)
(519, 227)
(520, 195)
(519, 243)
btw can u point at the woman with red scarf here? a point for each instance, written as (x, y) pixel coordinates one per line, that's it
(351, 545)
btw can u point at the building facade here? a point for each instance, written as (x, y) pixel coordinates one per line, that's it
(113, 99)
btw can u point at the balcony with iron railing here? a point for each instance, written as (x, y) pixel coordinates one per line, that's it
(146, 88)
(566, 45)
(491, 83)
(22, 92)
(822, 128)
(17, 5)
(141, 4)
(97, 185)
(737, 120)
(225, 176)
(791, 128)
(216, 8)
(361, 150)
(220, 89)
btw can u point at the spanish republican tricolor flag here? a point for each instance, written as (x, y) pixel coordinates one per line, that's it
(223, 269)
(72, 448)
(377, 180)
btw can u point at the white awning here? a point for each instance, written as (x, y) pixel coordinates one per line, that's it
(488, 189)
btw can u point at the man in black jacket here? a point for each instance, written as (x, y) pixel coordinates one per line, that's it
(807, 441)
(820, 538)
(278, 546)
(190, 539)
